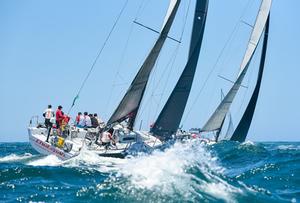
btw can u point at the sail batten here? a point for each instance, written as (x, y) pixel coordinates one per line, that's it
(240, 133)
(129, 105)
(169, 118)
(214, 123)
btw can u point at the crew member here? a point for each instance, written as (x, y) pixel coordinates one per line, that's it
(48, 114)
(100, 121)
(59, 117)
(106, 138)
(87, 120)
(77, 119)
(64, 121)
(94, 121)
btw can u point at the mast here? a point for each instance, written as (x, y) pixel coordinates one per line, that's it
(242, 129)
(169, 118)
(129, 105)
(216, 120)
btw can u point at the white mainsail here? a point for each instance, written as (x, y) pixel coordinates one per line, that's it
(217, 118)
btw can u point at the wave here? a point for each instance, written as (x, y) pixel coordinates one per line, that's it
(50, 160)
(288, 147)
(191, 172)
(187, 171)
(16, 157)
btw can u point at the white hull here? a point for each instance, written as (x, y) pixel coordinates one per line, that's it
(143, 144)
(37, 140)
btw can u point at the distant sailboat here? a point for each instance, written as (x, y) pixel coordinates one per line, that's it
(216, 120)
(241, 131)
(169, 118)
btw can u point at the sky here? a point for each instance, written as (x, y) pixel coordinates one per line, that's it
(48, 47)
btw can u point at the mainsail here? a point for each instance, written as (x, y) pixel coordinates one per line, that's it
(216, 120)
(242, 129)
(169, 118)
(130, 103)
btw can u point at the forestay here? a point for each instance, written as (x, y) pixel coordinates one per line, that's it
(215, 121)
(130, 103)
(169, 118)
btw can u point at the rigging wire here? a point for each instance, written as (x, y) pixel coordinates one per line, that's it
(217, 61)
(175, 55)
(141, 8)
(169, 64)
(98, 55)
(139, 11)
(118, 71)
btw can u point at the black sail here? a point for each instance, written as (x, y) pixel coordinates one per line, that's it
(169, 118)
(242, 129)
(130, 103)
(215, 121)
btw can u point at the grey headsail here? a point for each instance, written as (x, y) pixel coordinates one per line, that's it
(130, 103)
(216, 120)
(242, 129)
(230, 127)
(169, 118)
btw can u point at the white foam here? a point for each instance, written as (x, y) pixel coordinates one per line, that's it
(221, 190)
(167, 172)
(163, 172)
(288, 147)
(248, 142)
(15, 157)
(50, 160)
(92, 160)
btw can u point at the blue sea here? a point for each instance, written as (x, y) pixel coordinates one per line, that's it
(185, 172)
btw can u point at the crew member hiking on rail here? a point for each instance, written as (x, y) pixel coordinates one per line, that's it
(87, 120)
(79, 121)
(94, 121)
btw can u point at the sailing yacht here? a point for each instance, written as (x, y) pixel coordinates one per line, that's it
(216, 120)
(126, 139)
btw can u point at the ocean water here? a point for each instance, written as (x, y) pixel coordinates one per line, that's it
(189, 172)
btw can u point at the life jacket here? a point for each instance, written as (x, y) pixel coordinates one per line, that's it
(66, 119)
